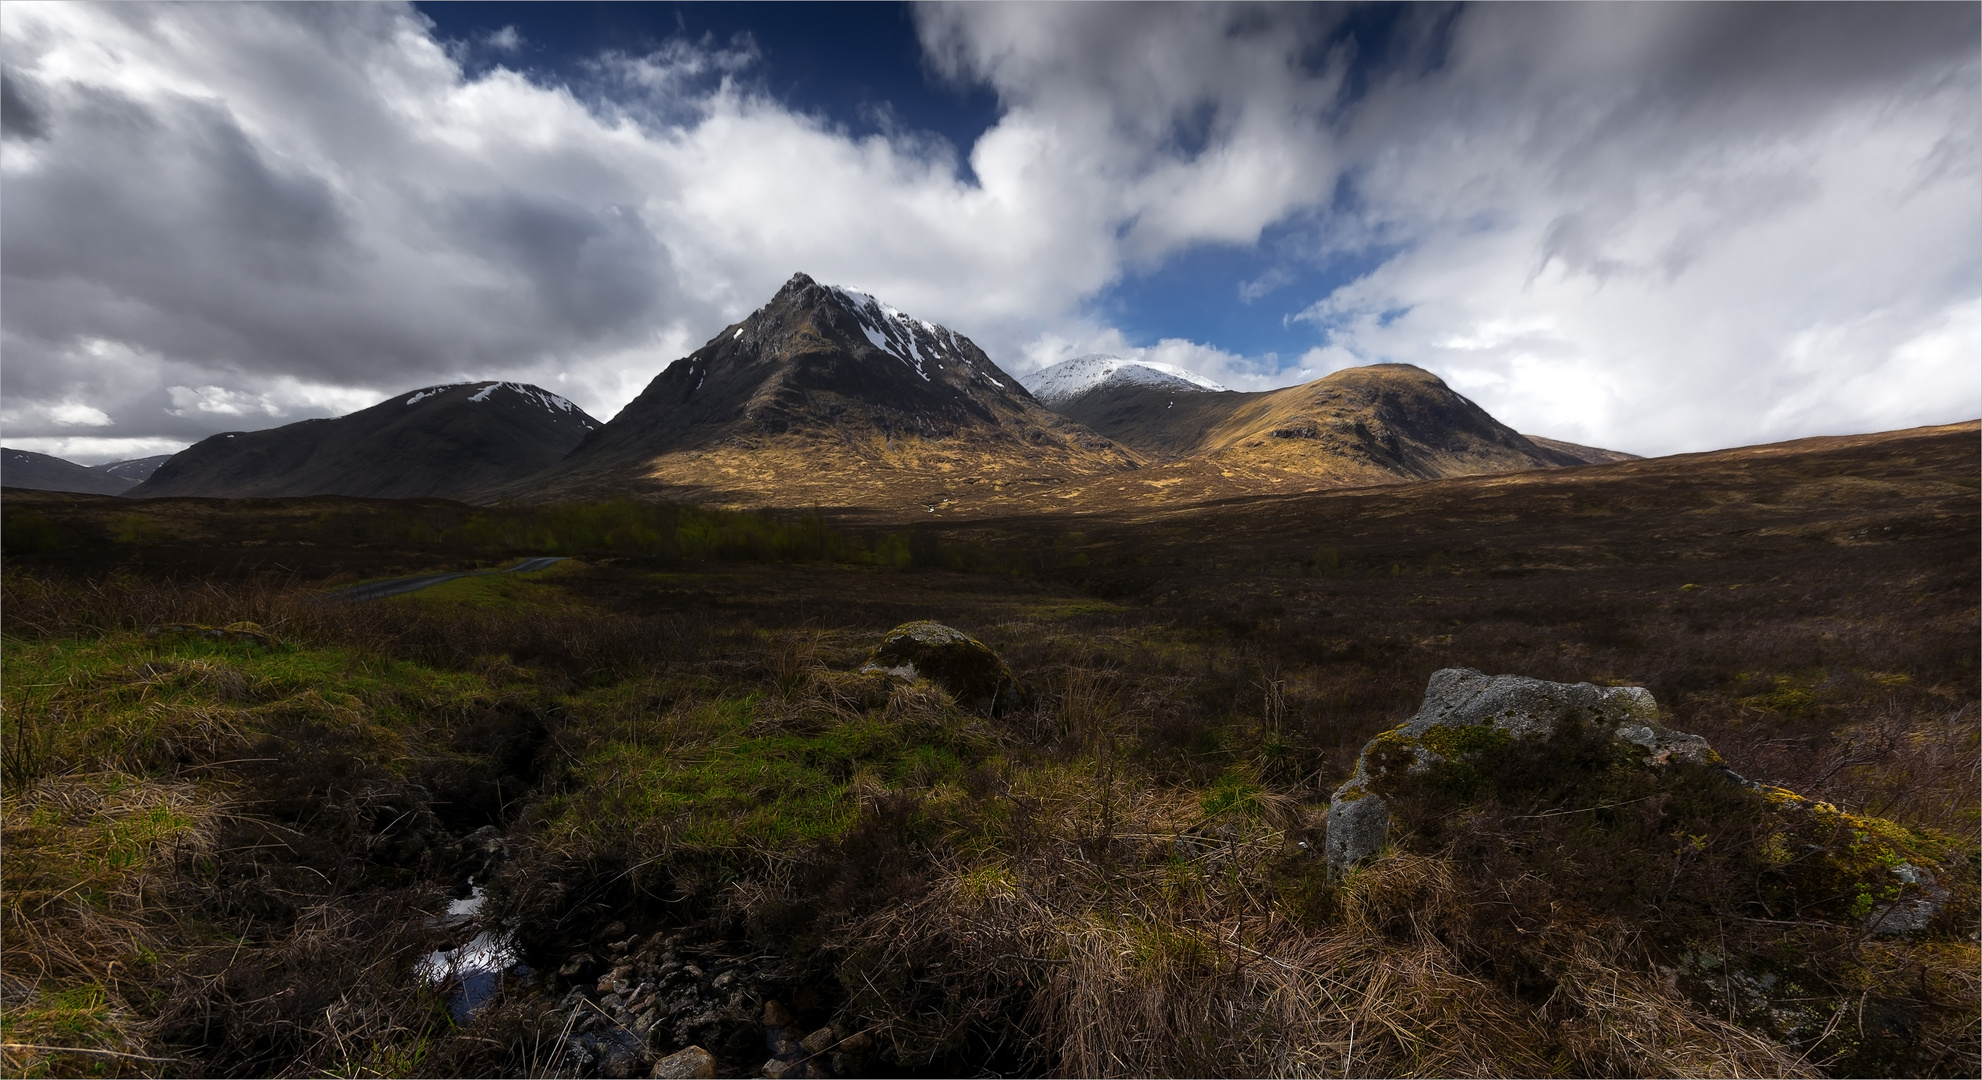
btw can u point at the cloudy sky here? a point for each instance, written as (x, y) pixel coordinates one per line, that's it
(1656, 228)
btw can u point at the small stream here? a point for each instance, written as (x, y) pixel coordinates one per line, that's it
(476, 969)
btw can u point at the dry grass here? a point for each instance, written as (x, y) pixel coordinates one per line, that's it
(90, 869)
(1179, 959)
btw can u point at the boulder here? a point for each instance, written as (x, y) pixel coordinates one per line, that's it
(953, 660)
(1467, 714)
(1569, 807)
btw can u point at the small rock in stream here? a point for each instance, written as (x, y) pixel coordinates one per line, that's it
(694, 1063)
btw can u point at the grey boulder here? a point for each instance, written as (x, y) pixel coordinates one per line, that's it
(1465, 711)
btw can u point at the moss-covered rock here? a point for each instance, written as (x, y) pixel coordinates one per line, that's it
(1466, 718)
(953, 660)
(1571, 805)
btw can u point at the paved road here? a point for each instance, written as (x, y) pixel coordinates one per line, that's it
(375, 590)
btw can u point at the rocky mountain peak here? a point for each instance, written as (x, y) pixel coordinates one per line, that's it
(845, 381)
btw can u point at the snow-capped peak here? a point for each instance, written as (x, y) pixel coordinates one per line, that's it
(1069, 379)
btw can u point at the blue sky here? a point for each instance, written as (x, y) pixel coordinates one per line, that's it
(1651, 227)
(853, 63)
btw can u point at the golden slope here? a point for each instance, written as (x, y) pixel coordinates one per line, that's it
(1368, 425)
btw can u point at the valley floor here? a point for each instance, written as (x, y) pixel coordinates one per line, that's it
(237, 818)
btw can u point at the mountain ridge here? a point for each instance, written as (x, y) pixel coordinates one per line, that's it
(444, 440)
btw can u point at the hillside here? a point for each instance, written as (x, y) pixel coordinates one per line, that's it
(136, 470)
(1588, 455)
(439, 441)
(1367, 425)
(829, 397)
(45, 472)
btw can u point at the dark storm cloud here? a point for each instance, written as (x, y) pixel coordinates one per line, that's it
(204, 249)
(20, 117)
(587, 268)
(214, 250)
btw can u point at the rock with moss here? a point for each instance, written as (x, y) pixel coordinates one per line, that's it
(1876, 872)
(1779, 912)
(960, 664)
(1465, 716)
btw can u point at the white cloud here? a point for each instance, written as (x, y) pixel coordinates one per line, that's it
(507, 40)
(75, 414)
(1597, 258)
(284, 398)
(1228, 369)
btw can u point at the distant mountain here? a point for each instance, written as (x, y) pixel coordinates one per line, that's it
(136, 470)
(1367, 425)
(44, 472)
(1068, 381)
(828, 396)
(1584, 455)
(446, 441)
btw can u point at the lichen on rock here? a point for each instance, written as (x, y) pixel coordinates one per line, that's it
(1480, 738)
(962, 665)
(1466, 716)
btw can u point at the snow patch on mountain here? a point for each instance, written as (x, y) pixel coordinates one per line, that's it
(537, 396)
(1069, 379)
(918, 343)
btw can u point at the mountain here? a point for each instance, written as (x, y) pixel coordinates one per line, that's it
(136, 470)
(1367, 425)
(43, 472)
(443, 441)
(828, 396)
(1068, 381)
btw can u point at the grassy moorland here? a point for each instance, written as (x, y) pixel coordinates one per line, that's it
(226, 851)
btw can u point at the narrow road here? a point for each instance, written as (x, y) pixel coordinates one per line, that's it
(376, 590)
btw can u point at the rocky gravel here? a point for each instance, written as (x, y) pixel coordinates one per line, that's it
(662, 1006)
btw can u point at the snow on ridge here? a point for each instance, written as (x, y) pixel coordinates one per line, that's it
(534, 394)
(895, 332)
(1069, 379)
(550, 402)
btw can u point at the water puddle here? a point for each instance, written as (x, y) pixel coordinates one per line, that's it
(474, 970)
